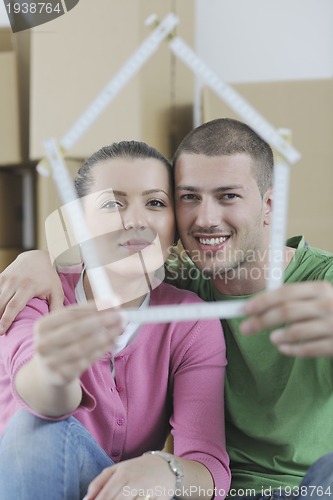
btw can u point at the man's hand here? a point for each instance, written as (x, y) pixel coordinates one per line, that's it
(300, 314)
(30, 275)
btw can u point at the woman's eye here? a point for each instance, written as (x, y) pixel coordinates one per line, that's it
(156, 203)
(111, 204)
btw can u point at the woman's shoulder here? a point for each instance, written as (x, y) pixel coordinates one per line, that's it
(197, 339)
(166, 294)
(69, 277)
(169, 294)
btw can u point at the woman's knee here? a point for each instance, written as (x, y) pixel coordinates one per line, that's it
(27, 433)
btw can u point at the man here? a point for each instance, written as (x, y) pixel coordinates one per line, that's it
(279, 398)
(278, 407)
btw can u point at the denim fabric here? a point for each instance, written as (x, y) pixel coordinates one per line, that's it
(42, 459)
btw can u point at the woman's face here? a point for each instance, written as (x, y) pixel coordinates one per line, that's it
(130, 214)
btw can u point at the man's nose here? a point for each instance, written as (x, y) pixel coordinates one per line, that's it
(208, 214)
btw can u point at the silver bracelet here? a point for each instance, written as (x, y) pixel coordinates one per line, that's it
(174, 465)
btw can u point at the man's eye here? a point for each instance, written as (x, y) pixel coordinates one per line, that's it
(229, 196)
(188, 196)
(156, 203)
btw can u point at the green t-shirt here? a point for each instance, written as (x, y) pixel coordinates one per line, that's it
(279, 410)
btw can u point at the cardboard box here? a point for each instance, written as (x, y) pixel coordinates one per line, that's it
(7, 255)
(49, 221)
(10, 146)
(75, 56)
(10, 209)
(72, 60)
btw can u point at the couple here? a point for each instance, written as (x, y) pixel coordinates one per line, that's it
(278, 385)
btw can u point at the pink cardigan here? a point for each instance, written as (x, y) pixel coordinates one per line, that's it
(169, 376)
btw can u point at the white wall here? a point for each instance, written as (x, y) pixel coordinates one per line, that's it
(4, 21)
(263, 40)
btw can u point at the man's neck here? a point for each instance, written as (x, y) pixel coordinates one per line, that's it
(247, 283)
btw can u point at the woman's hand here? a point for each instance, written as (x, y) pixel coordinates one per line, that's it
(150, 476)
(30, 275)
(138, 477)
(68, 341)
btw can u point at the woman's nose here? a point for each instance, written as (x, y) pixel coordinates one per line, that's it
(134, 219)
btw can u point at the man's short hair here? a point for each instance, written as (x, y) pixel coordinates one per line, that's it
(226, 137)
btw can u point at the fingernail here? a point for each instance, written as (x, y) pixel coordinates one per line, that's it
(246, 326)
(286, 349)
(2, 328)
(277, 336)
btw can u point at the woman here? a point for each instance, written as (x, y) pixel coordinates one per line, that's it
(95, 397)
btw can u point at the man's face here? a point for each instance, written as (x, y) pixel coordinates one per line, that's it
(222, 217)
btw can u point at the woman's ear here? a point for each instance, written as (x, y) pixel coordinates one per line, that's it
(268, 206)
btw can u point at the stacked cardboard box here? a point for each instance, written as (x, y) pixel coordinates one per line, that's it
(10, 216)
(10, 150)
(48, 231)
(75, 56)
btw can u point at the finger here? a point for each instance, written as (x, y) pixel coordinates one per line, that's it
(69, 363)
(319, 348)
(65, 316)
(72, 310)
(111, 491)
(101, 326)
(283, 313)
(90, 349)
(68, 371)
(56, 299)
(287, 293)
(14, 305)
(96, 486)
(302, 332)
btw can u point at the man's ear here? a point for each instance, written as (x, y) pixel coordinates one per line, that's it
(268, 206)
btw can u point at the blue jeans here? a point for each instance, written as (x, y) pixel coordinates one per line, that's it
(41, 459)
(317, 484)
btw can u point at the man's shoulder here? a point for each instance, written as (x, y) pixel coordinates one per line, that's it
(182, 272)
(309, 263)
